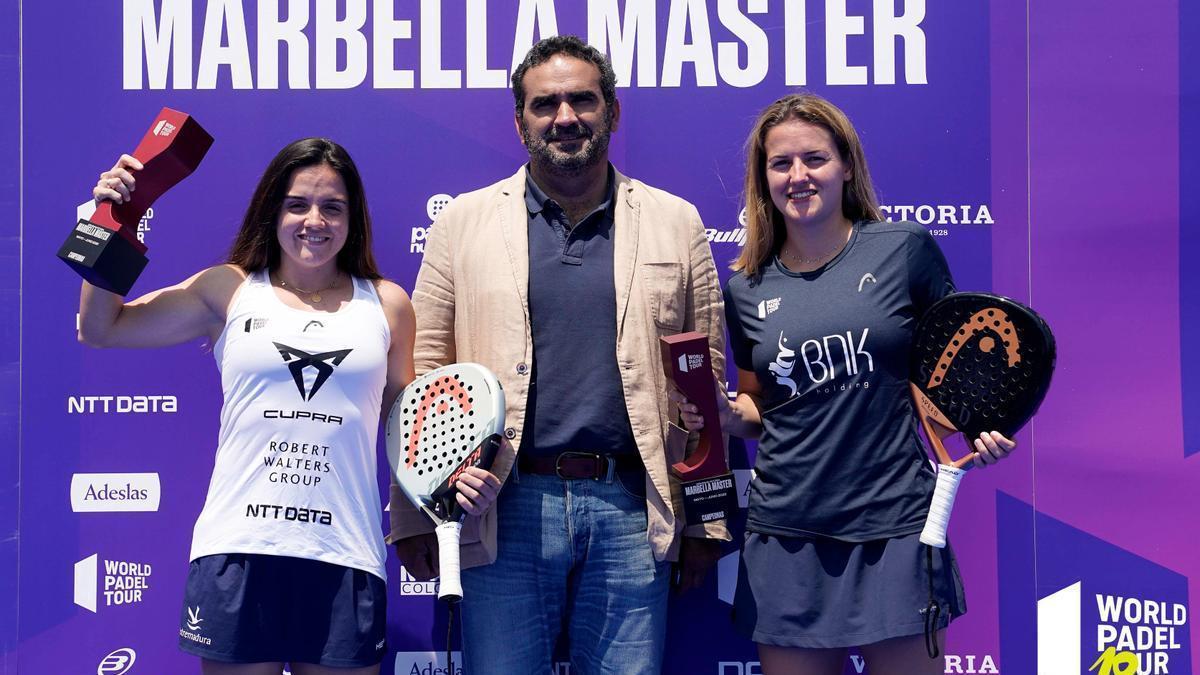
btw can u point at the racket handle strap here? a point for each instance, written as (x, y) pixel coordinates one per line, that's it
(938, 520)
(450, 588)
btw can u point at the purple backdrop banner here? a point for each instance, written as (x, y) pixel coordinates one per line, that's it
(1005, 128)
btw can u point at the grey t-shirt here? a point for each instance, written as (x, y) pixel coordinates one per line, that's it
(839, 456)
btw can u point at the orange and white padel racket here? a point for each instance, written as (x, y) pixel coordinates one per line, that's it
(979, 362)
(444, 421)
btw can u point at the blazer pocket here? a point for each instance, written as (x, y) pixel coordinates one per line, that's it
(663, 286)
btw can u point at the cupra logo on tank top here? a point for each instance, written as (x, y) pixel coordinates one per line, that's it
(298, 360)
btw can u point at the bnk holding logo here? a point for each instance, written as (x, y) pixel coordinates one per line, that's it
(114, 492)
(124, 582)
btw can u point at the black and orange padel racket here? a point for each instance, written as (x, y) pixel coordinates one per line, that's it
(444, 421)
(979, 363)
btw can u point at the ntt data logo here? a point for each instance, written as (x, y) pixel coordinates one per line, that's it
(94, 405)
(115, 582)
(118, 662)
(114, 492)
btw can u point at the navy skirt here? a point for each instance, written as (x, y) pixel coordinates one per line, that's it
(820, 593)
(245, 608)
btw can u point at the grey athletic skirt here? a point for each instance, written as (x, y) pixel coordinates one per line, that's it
(815, 592)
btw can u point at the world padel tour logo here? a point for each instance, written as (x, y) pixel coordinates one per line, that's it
(110, 583)
(1100, 609)
(1121, 635)
(299, 361)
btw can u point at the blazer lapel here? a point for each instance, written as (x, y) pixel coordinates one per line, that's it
(514, 226)
(627, 224)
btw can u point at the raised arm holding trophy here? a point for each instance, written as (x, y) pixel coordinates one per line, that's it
(302, 327)
(104, 249)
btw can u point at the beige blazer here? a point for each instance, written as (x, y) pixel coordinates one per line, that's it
(472, 304)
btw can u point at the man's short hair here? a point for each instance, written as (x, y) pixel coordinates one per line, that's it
(572, 46)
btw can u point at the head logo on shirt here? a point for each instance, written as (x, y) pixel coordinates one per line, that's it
(298, 360)
(865, 278)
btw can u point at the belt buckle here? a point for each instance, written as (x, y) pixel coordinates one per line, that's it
(596, 458)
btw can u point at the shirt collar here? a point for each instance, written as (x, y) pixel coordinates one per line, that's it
(536, 199)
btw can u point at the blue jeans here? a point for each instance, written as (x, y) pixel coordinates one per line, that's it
(573, 554)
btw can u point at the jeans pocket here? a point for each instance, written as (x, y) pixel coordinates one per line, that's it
(632, 484)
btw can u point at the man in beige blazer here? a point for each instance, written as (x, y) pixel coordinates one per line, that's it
(561, 279)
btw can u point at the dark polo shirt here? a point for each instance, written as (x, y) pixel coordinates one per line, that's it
(576, 399)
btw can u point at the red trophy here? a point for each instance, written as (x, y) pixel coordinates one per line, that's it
(105, 249)
(708, 486)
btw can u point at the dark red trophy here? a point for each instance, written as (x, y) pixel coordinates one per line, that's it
(708, 487)
(105, 249)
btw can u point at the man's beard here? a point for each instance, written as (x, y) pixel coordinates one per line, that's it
(592, 149)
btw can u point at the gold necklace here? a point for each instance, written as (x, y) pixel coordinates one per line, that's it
(812, 261)
(809, 261)
(313, 296)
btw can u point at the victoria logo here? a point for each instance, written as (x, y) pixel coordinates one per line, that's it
(324, 363)
(117, 663)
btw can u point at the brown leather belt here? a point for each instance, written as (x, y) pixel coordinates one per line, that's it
(575, 465)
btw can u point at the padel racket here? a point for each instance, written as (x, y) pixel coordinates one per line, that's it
(979, 363)
(444, 421)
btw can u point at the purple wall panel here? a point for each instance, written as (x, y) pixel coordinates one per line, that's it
(1024, 128)
(10, 329)
(1104, 195)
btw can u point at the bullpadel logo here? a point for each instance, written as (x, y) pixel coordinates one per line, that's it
(117, 662)
(114, 492)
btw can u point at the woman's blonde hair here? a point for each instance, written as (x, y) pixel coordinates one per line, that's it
(765, 230)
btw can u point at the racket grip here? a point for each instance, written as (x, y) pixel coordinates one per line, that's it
(948, 478)
(450, 588)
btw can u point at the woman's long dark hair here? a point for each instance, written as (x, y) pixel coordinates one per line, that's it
(257, 246)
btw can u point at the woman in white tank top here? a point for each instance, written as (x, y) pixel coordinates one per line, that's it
(311, 343)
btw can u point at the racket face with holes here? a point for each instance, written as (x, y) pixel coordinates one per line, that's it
(438, 423)
(983, 360)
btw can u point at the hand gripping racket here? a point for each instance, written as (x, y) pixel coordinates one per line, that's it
(979, 363)
(446, 420)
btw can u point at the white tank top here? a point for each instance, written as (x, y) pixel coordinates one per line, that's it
(295, 471)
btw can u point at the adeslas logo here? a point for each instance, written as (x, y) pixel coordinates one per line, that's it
(114, 492)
